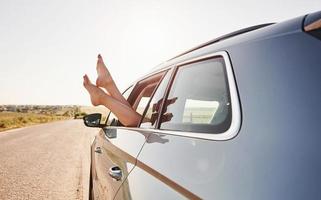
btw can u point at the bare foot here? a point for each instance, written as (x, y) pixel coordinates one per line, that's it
(104, 78)
(96, 94)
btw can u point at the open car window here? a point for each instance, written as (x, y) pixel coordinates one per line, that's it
(144, 90)
(139, 96)
(112, 120)
(153, 108)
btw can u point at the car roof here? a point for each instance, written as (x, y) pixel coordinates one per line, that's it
(226, 36)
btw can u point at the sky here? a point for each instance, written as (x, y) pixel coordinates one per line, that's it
(47, 46)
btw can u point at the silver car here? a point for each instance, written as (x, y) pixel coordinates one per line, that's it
(238, 117)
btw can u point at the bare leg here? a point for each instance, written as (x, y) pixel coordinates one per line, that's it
(125, 113)
(105, 81)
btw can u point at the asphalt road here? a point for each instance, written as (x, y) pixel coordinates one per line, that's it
(48, 161)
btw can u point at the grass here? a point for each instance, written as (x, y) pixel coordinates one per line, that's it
(11, 120)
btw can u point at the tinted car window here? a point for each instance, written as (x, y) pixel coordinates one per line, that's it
(153, 109)
(199, 99)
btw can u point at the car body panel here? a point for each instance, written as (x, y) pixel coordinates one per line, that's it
(114, 152)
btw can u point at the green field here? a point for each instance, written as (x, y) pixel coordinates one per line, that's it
(10, 120)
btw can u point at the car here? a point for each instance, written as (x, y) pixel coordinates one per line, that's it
(238, 117)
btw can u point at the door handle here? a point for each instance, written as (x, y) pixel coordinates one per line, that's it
(115, 172)
(98, 150)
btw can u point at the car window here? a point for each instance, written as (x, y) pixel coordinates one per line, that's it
(144, 90)
(127, 92)
(144, 98)
(153, 109)
(139, 96)
(199, 99)
(112, 120)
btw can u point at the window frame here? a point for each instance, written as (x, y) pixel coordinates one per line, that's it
(236, 120)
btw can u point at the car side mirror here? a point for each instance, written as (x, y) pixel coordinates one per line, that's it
(93, 120)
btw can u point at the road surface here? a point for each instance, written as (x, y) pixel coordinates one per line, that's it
(47, 161)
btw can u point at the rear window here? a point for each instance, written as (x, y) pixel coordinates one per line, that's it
(199, 99)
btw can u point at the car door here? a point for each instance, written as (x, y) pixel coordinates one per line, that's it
(189, 153)
(107, 159)
(116, 147)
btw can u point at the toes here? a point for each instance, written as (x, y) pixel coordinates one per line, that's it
(86, 80)
(100, 60)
